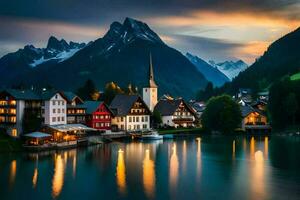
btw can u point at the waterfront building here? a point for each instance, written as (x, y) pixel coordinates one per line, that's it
(131, 113)
(98, 115)
(14, 107)
(76, 110)
(175, 113)
(254, 119)
(54, 108)
(150, 91)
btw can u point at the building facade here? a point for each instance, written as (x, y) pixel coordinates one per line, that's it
(130, 113)
(54, 108)
(98, 115)
(76, 111)
(175, 113)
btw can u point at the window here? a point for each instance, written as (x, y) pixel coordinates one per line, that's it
(53, 110)
(58, 103)
(63, 110)
(122, 119)
(58, 119)
(142, 119)
(55, 96)
(53, 103)
(138, 127)
(130, 119)
(129, 127)
(137, 119)
(58, 110)
(144, 126)
(62, 118)
(146, 118)
(63, 103)
(14, 132)
(53, 119)
(133, 119)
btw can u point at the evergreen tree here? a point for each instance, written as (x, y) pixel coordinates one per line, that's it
(88, 91)
(221, 114)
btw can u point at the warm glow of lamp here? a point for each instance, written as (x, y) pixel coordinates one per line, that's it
(58, 177)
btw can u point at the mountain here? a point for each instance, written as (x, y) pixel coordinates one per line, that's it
(230, 68)
(211, 73)
(122, 55)
(282, 58)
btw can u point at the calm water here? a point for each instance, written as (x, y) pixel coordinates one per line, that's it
(187, 168)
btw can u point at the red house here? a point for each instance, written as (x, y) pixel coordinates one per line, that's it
(98, 115)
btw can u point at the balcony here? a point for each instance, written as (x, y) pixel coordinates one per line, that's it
(186, 119)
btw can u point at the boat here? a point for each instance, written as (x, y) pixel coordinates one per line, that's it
(151, 136)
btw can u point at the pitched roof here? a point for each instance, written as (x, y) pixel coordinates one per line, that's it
(70, 96)
(23, 94)
(122, 104)
(246, 110)
(168, 107)
(91, 106)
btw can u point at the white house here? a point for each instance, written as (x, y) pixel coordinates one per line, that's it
(130, 113)
(54, 108)
(175, 113)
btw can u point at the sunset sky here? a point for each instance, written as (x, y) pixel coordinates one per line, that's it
(212, 29)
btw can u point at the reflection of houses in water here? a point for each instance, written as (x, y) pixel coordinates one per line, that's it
(58, 177)
(13, 171)
(149, 175)
(121, 172)
(198, 157)
(173, 171)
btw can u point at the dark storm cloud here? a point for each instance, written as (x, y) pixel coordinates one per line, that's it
(103, 11)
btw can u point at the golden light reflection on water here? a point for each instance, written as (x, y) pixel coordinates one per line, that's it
(121, 172)
(258, 174)
(149, 175)
(35, 177)
(233, 149)
(198, 157)
(58, 177)
(184, 157)
(266, 147)
(173, 171)
(252, 147)
(13, 171)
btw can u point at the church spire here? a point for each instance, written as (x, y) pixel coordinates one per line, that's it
(152, 83)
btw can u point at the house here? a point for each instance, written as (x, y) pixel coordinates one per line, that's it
(54, 108)
(260, 105)
(254, 119)
(131, 113)
(175, 113)
(76, 110)
(98, 115)
(14, 105)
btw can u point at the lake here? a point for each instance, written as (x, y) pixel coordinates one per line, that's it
(196, 167)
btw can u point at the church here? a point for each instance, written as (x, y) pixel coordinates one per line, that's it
(174, 112)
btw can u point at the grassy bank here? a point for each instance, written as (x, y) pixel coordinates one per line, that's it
(8, 144)
(180, 130)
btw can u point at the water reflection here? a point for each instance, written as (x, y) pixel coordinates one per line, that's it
(233, 149)
(59, 173)
(121, 172)
(252, 147)
(184, 157)
(173, 171)
(266, 147)
(149, 175)
(35, 177)
(13, 171)
(198, 157)
(258, 173)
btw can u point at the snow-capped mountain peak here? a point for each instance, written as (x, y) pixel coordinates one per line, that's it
(230, 68)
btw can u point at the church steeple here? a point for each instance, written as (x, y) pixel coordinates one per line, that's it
(152, 83)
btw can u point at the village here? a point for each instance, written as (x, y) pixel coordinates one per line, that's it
(67, 121)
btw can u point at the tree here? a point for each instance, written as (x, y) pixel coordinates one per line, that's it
(204, 95)
(157, 119)
(88, 91)
(291, 106)
(111, 90)
(221, 114)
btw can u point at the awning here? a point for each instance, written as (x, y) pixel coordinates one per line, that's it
(37, 135)
(71, 127)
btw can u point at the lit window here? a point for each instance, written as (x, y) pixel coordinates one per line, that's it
(14, 132)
